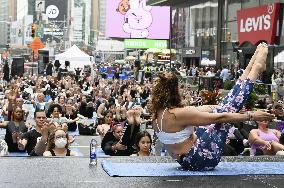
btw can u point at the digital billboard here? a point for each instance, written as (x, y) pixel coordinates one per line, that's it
(133, 19)
(57, 13)
(145, 44)
(56, 10)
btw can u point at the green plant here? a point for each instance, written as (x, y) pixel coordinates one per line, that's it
(228, 84)
(260, 89)
(250, 104)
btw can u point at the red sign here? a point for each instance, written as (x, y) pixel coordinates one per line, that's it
(36, 44)
(258, 24)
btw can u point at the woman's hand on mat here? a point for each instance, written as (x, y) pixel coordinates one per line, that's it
(262, 115)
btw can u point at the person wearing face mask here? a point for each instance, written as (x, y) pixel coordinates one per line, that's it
(58, 144)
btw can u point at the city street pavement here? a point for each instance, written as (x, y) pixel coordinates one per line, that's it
(75, 172)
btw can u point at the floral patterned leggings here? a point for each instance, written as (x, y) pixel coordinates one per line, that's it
(206, 152)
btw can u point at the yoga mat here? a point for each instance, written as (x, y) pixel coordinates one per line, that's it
(18, 154)
(73, 133)
(101, 153)
(174, 169)
(2, 131)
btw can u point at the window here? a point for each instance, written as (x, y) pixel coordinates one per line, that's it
(249, 3)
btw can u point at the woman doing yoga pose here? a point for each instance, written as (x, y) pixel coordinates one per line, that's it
(174, 123)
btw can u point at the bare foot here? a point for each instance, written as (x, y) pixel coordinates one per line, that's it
(260, 62)
(137, 116)
(130, 117)
(253, 58)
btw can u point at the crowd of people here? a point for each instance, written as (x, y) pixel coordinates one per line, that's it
(39, 113)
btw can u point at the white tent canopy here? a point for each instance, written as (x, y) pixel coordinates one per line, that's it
(279, 57)
(279, 60)
(76, 57)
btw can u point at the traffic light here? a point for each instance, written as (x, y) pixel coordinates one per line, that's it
(228, 36)
(33, 34)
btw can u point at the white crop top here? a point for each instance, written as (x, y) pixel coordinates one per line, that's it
(173, 138)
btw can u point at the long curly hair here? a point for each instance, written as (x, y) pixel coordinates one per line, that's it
(165, 93)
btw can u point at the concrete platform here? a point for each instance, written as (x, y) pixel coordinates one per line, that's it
(75, 172)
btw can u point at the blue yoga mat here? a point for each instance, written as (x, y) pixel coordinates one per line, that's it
(73, 133)
(18, 154)
(101, 153)
(174, 169)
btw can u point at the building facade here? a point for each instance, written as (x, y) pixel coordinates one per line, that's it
(8, 14)
(81, 21)
(209, 30)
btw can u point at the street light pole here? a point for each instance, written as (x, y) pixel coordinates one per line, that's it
(170, 41)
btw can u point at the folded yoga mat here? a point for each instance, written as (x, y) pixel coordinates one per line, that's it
(174, 169)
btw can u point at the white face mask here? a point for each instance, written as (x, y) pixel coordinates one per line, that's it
(60, 142)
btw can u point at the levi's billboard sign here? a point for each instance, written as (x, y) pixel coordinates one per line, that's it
(258, 24)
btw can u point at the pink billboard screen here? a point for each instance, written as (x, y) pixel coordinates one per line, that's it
(133, 19)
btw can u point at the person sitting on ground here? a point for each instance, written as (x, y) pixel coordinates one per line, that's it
(143, 144)
(14, 129)
(54, 115)
(58, 144)
(34, 141)
(11, 96)
(71, 115)
(19, 102)
(61, 102)
(104, 106)
(174, 123)
(277, 110)
(104, 128)
(41, 104)
(110, 143)
(265, 140)
(86, 124)
(131, 128)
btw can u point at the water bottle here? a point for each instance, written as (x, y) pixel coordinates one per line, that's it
(1, 116)
(163, 150)
(93, 152)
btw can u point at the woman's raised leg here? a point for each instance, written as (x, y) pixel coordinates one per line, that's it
(206, 152)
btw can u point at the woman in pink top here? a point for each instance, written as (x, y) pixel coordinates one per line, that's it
(265, 139)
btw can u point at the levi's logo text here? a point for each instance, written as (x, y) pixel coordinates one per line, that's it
(258, 24)
(255, 24)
